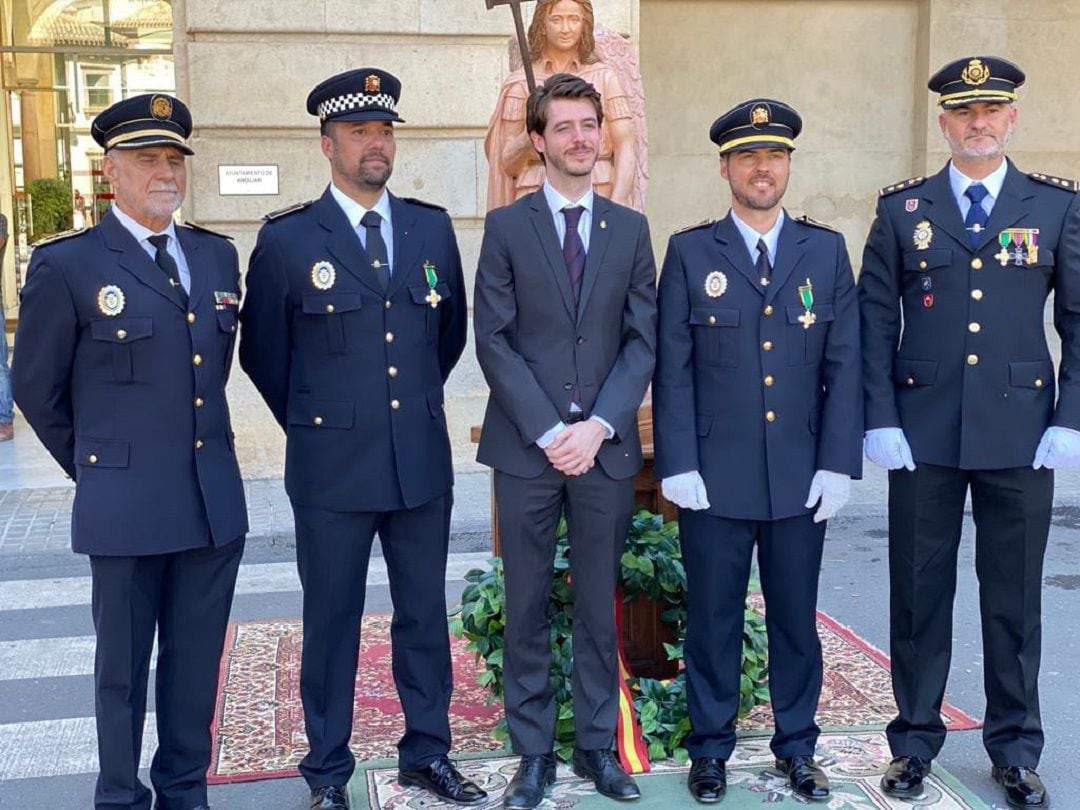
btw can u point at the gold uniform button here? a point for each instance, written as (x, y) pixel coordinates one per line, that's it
(389, 337)
(197, 359)
(198, 402)
(392, 371)
(910, 380)
(318, 421)
(712, 320)
(191, 317)
(770, 416)
(922, 265)
(973, 359)
(977, 295)
(768, 310)
(1038, 382)
(976, 264)
(198, 444)
(767, 345)
(395, 404)
(329, 308)
(974, 328)
(769, 379)
(121, 333)
(92, 459)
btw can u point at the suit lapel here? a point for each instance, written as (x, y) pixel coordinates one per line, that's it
(599, 238)
(734, 250)
(406, 247)
(189, 244)
(1008, 207)
(544, 226)
(343, 243)
(943, 210)
(134, 259)
(789, 252)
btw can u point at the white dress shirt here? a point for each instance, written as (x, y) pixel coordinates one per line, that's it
(354, 212)
(142, 235)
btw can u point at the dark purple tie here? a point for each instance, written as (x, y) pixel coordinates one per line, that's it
(573, 250)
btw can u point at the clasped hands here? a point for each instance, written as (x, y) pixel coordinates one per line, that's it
(573, 450)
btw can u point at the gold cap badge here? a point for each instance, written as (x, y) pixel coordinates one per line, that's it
(161, 108)
(975, 72)
(372, 84)
(759, 116)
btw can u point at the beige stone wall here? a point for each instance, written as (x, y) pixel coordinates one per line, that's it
(857, 73)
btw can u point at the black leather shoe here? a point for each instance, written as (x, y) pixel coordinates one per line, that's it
(526, 790)
(445, 781)
(1023, 787)
(805, 777)
(334, 797)
(606, 772)
(708, 779)
(904, 777)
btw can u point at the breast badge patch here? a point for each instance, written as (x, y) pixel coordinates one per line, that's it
(715, 284)
(923, 235)
(110, 300)
(323, 275)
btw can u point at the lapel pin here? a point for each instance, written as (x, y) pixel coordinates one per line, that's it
(911, 205)
(603, 224)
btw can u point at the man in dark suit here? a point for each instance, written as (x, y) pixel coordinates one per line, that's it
(123, 349)
(962, 397)
(355, 317)
(757, 418)
(565, 318)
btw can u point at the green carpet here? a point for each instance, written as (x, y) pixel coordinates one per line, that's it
(854, 762)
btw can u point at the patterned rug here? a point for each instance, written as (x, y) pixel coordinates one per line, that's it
(259, 724)
(854, 762)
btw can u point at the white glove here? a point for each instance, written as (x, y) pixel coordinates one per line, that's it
(686, 490)
(888, 448)
(834, 490)
(1059, 447)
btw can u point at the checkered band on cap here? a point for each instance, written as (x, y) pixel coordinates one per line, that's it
(355, 101)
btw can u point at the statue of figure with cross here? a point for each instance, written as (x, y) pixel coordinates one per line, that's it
(562, 38)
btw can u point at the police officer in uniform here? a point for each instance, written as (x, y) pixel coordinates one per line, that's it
(757, 418)
(354, 319)
(962, 398)
(123, 349)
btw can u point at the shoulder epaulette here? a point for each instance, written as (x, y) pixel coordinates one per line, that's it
(1057, 182)
(903, 184)
(813, 223)
(424, 203)
(703, 224)
(196, 226)
(289, 209)
(58, 237)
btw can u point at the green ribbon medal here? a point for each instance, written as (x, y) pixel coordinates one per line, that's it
(432, 277)
(806, 296)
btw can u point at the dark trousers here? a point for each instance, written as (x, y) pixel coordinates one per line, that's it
(598, 510)
(1012, 522)
(332, 551)
(186, 597)
(717, 553)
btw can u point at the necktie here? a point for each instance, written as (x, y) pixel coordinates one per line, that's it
(168, 266)
(763, 266)
(976, 218)
(376, 247)
(573, 249)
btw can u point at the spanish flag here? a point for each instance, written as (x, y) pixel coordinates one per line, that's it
(633, 752)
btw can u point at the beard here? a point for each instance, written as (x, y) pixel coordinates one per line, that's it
(995, 148)
(160, 203)
(763, 200)
(579, 168)
(371, 172)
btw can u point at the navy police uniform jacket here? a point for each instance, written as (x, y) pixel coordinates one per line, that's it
(743, 392)
(953, 337)
(125, 387)
(355, 375)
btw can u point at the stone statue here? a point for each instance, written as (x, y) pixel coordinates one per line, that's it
(562, 39)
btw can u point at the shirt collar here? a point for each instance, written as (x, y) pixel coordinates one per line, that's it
(750, 236)
(557, 202)
(354, 211)
(574, 66)
(992, 182)
(141, 232)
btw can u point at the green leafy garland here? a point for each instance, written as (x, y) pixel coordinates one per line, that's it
(651, 567)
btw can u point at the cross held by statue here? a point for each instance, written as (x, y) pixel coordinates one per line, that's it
(523, 42)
